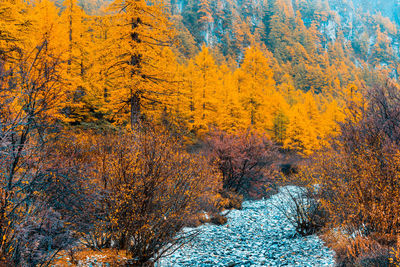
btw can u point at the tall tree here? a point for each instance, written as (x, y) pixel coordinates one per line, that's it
(139, 29)
(257, 87)
(206, 87)
(14, 28)
(77, 52)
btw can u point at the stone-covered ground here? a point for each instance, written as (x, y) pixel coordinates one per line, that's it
(257, 235)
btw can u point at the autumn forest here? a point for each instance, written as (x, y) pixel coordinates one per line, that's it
(123, 122)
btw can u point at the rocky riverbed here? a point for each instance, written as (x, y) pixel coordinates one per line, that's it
(257, 235)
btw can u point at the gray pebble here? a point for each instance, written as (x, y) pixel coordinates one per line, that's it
(258, 235)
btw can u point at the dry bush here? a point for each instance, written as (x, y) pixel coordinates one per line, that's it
(358, 177)
(395, 253)
(356, 250)
(219, 219)
(302, 210)
(395, 256)
(153, 187)
(360, 191)
(73, 187)
(230, 200)
(246, 161)
(43, 235)
(32, 229)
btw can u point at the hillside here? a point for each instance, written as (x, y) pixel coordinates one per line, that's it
(237, 24)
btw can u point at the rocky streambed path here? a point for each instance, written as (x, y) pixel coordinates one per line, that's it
(257, 235)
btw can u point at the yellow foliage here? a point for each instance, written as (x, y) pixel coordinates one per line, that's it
(119, 66)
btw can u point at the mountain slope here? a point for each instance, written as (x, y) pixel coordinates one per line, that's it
(369, 29)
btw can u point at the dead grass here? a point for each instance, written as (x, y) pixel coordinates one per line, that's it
(356, 251)
(88, 257)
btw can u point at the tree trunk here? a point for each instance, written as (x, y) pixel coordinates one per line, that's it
(135, 109)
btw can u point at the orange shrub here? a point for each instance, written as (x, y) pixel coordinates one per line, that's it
(246, 161)
(357, 178)
(153, 188)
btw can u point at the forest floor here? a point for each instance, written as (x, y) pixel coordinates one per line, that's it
(90, 258)
(258, 235)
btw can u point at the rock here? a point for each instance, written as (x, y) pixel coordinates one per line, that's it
(258, 235)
